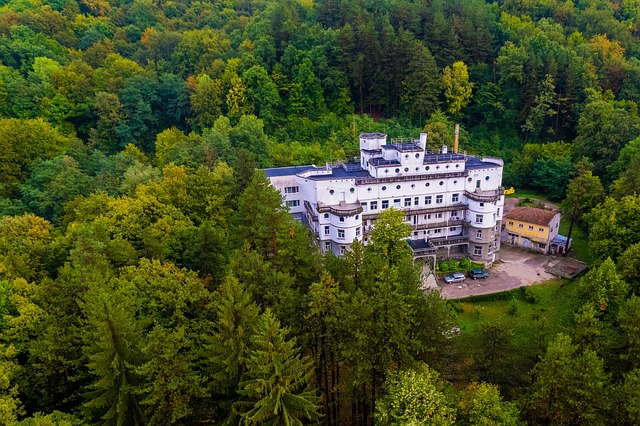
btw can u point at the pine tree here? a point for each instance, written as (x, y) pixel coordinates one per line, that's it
(278, 388)
(111, 339)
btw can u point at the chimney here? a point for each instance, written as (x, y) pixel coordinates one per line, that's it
(423, 140)
(455, 140)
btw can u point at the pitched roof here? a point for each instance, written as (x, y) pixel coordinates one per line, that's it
(531, 215)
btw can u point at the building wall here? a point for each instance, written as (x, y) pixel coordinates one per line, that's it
(530, 235)
(439, 200)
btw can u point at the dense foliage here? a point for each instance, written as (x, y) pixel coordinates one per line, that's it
(148, 274)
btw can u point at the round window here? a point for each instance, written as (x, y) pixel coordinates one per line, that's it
(457, 165)
(455, 181)
(413, 185)
(447, 166)
(426, 168)
(406, 169)
(486, 178)
(397, 170)
(386, 170)
(384, 188)
(398, 187)
(331, 191)
(369, 189)
(417, 155)
(427, 184)
(417, 168)
(469, 180)
(406, 156)
(352, 190)
(437, 167)
(441, 183)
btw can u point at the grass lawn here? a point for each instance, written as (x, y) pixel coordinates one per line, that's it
(549, 305)
(580, 245)
(527, 193)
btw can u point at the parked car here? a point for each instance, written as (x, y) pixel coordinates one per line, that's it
(478, 273)
(457, 277)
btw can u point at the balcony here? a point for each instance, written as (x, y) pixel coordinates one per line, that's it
(342, 209)
(445, 241)
(485, 196)
(422, 210)
(438, 224)
(401, 178)
(312, 214)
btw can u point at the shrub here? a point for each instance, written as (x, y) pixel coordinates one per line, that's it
(512, 308)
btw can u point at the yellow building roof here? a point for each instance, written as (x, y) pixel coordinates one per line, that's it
(531, 215)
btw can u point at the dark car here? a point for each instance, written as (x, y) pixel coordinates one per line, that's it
(478, 273)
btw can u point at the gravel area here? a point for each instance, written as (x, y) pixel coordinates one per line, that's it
(516, 268)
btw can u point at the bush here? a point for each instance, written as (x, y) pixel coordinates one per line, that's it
(530, 295)
(512, 308)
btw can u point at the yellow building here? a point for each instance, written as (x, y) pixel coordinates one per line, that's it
(531, 228)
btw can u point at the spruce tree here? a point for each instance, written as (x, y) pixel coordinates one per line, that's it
(111, 338)
(278, 388)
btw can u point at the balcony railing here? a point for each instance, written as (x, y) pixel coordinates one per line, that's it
(422, 210)
(310, 212)
(485, 196)
(445, 241)
(432, 176)
(340, 210)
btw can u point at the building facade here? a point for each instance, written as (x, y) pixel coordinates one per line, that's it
(532, 228)
(452, 201)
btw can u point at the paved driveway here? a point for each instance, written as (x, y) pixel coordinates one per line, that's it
(516, 268)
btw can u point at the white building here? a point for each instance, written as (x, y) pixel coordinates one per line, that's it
(453, 201)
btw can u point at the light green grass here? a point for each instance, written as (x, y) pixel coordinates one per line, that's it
(580, 244)
(554, 303)
(527, 193)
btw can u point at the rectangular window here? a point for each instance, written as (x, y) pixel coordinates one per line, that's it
(358, 231)
(427, 199)
(341, 234)
(385, 204)
(374, 205)
(540, 229)
(530, 228)
(477, 250)
(291, 190)
(455, 198)
(293, 203)
(396, 203)
(479, 233)
(437, 231)
(407, 202)
(481, 204)
(343, 249)
(439, 199)
(520, 225)
(326, 230)
(327, 245)
(341, 218)
(454, 215)
(416, 201)
(439, 215)
(365, 206)
(428, 216)
(510, 223)
(452, 229)
(478, 218)
(498, 212)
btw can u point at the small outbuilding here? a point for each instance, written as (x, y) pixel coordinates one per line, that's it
(532, 228)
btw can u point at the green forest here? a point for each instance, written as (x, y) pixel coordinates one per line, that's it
(149, 274)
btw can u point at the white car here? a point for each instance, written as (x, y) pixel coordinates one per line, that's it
(457, 277)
